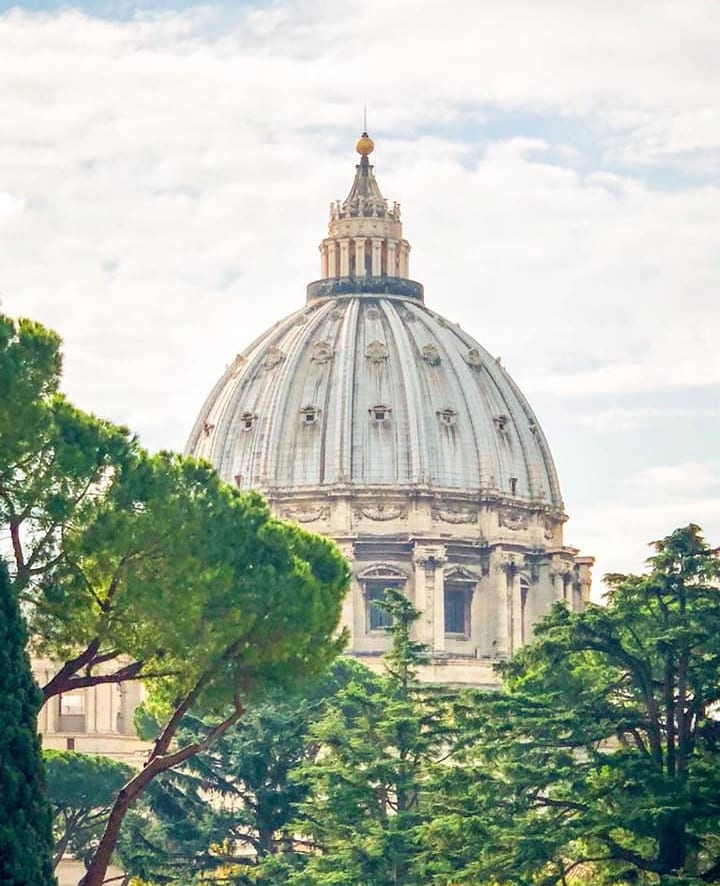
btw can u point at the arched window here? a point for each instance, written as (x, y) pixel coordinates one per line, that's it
(375, 580)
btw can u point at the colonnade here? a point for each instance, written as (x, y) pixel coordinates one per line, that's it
(364, 257)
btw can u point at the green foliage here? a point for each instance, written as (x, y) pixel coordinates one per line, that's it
(81, 789)
(25, 820)
(227, 813)
(134, 566)
(380, 741)
(600, 758)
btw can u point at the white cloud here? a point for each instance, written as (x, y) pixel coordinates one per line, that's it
(618, 420)
(650, 505)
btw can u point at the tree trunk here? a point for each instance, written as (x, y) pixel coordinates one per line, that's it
(672, 847)
(159, 762)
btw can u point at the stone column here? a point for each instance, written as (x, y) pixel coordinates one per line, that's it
(344, 258)
(423, 626)
(353, 596)
(558, 572)
(359, 256)
(332, 259)
(430, 596)
(439, 609)
(376, 256)
(502, 609)
(391, 272)
(91, 709)
(403, 269)
(516, 608)
(324, 261)
(51, 708)
(583, 571)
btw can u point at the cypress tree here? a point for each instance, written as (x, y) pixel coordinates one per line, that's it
(25, 816)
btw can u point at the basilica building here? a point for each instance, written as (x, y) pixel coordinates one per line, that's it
(368, 417)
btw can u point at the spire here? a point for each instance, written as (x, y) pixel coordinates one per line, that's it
(365, 241)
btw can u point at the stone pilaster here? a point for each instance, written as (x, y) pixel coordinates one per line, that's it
(430, 595)
(391, 270)
(359, 243)
(376, 256)
(344, 258)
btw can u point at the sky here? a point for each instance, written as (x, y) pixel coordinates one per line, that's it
(166, 170)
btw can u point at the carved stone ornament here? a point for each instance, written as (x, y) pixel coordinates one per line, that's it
(322, 352)
(454, 515)
(306, 513)
(381, 511)
(237, 365)
(431, 355)
(513, 520)
(273, 357)
(372, 314)
(473, 358)
(548, 529)
(508, 562)
(377, 352)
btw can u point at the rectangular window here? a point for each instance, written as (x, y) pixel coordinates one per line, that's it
(457, 611)
(378, 618)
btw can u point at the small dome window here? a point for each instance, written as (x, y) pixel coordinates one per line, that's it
(309, 415)
(380, 413)
(513, 485)
(247, 421)
(447, 416)
(501, 422)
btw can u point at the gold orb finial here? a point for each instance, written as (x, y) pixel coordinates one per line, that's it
(364, 145)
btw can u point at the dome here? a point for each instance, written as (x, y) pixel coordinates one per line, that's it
(374, 390)
(375, 421)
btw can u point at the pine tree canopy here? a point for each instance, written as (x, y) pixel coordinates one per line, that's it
(600, 759)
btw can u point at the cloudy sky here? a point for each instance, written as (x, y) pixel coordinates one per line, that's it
(166, 167)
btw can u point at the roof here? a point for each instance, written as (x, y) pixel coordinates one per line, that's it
(373, 390)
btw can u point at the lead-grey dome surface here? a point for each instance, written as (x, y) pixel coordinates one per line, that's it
(373, 391)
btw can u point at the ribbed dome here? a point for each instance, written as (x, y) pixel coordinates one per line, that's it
(371, 391)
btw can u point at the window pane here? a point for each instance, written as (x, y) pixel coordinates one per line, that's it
(378, 618)
(455, 611)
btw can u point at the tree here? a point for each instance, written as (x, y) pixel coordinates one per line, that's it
(229, 812)
(133, 566)
(81, 789)
(379, 742)
(257, 606)
(601, 755)
(25, 820)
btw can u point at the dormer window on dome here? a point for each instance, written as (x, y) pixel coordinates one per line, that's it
(247, 420)
(447, 416)
(380, 413)
(310, 415)
(501, 422)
